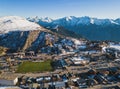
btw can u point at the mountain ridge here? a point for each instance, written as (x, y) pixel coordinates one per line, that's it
(90, 28)
(85, 19)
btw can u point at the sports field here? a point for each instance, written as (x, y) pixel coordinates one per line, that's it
(27, 67)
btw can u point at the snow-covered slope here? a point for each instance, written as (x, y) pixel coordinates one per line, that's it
(15, 23)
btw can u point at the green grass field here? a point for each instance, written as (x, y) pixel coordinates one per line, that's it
(27, 67)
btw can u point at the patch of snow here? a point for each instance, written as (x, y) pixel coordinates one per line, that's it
(113, 22)
(68, 18)
(46, 19)
(92, 21)
(116, 46)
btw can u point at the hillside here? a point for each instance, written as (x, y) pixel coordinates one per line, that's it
(38, 39)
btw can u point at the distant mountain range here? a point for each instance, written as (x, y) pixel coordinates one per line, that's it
(87, 27)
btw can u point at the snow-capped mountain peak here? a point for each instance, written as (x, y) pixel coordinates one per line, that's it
(69, 18)
(84, 20)
(47, 19)
(16, 23)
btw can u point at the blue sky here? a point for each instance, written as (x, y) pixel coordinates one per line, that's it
(61, 8)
